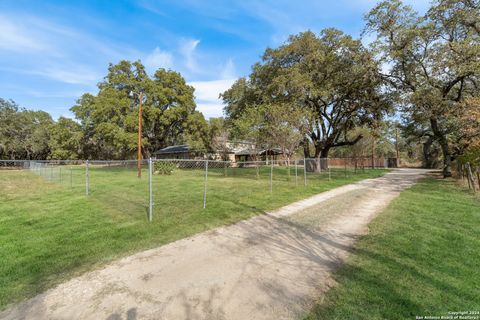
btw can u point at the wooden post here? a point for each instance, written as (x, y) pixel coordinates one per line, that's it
(150, 197)
(478, 178)
(139, 136)
(470, 177)
(373, 153)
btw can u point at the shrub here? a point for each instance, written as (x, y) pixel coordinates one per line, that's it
(164, 167)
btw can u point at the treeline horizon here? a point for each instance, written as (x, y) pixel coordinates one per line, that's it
(317, 93)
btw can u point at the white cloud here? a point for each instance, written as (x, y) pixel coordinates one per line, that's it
(207, 96)
(228, 70)
(210, 110)
(72, 75)
(55, 94)
(210, 90)
(159, 59)
(66, 53)
(187, 49)
(147, 5)
(15, 37)
(67, 73)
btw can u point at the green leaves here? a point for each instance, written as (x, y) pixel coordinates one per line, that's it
(435, 63)
(110, 119)
(24, 133)
(331, 79)
(65, 140)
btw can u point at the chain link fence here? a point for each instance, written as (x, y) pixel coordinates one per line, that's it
(169, 187)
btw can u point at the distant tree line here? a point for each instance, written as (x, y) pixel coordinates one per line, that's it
(323, 94)
(106, 124)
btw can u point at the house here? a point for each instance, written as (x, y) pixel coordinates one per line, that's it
(225, 151)
(181, 151)
(258, 155)
(238, 151)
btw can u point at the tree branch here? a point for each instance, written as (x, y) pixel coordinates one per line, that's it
(348, 143)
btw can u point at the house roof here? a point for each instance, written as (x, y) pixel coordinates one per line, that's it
(272, 150)
(180, 148)
(247, 152)
(184, 148)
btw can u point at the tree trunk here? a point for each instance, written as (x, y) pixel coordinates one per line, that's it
(287, 163)
(324, 155)
(447, 160)
(316, 164)
(306, 149)
(427, 156)
(442, 139)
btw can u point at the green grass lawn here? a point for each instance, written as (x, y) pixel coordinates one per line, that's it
(420, 258)
(50, 231)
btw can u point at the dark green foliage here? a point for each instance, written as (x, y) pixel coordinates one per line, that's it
(24, 134)
(331, 77)
(433, 64)
(65, 140)
(109, 119)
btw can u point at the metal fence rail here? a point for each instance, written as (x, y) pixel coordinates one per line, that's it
(116, 181)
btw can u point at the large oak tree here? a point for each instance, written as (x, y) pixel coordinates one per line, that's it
(433, 61)
(24, 134)
(110, 119)
(331, 76)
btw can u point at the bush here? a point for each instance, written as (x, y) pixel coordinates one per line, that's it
(163, 167)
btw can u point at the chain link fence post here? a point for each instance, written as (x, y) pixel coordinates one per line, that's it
(150, 200)
(205, 186)
(271, 175)
(296, 173)
(86, 178)
(304, 172)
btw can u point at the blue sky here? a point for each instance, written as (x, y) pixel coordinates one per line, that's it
(51, 52)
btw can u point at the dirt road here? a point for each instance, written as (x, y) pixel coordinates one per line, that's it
(272, 266)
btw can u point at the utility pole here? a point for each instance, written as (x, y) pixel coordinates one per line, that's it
(139, 135)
